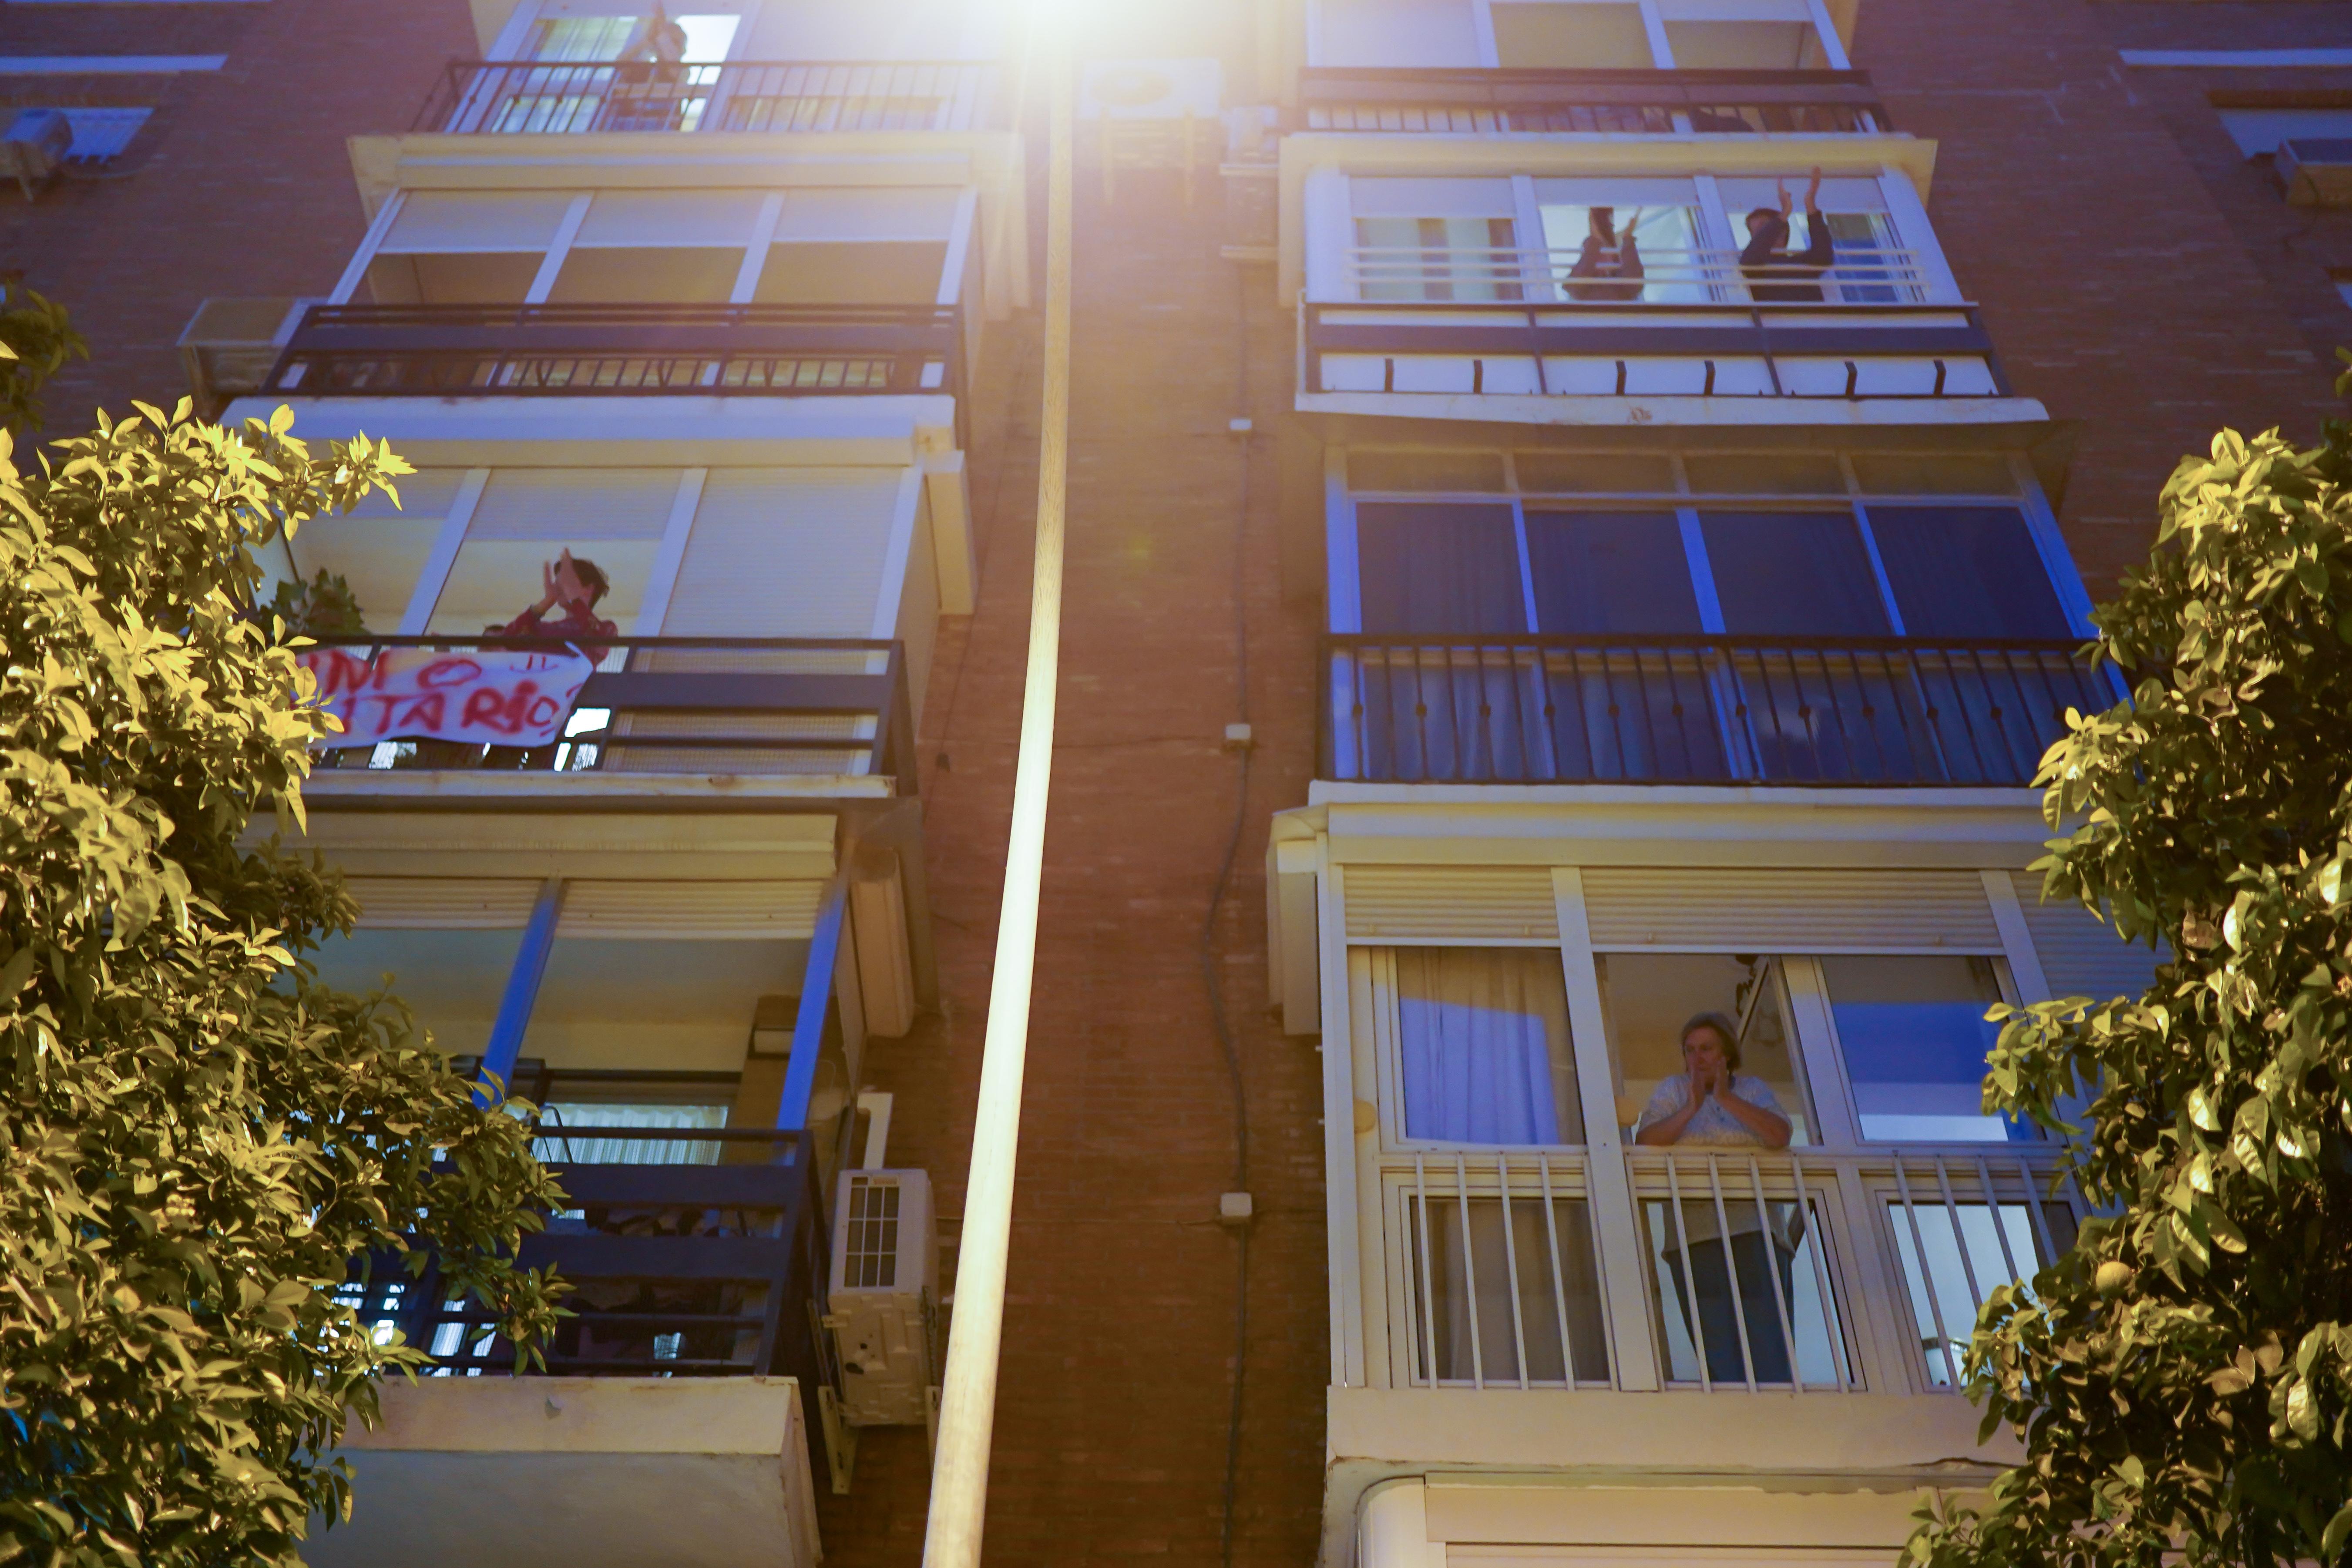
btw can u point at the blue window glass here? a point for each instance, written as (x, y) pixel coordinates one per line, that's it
(1965, 571)
(1442, 568)
(1611, 572)
(1913, 1037)
(1792, 574)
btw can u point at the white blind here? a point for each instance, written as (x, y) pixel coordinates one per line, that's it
(426, 493)
(445, 221)
(785, 552)
(1742, 196)
(870, 212)
(1620, 192)
(1729, 909)
(1430, 198)
(1450, 905)
(2080, 956)
(711, 911)
(444, 903)
(1404, 32)
(670, 217)
(564, 506)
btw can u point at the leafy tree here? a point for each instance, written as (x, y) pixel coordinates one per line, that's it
(195, 1138)
(2182, 1380)
(36, 342)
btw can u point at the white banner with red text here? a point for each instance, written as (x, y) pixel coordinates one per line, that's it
(493, 697)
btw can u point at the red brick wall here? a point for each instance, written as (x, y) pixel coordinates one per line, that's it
(2119, 290)
(240, 185)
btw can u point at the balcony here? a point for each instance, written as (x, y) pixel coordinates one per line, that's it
(1591, 103)
(1697, 710)
(542, 98)
(1882, 324)
(676, 1422)
(632, 351)
(1876, 1266)
(733, 706)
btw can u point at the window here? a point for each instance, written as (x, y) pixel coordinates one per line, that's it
(1588, 238)
(1493, 1293)
(556, 1145)
(1792, 574)
(1611, 572)
(1966, 1249)
(1912, 1036)
(613, 517)
(1435, 240)
(1439, 568)
(2258, 131)
(1745, 45)
(1429, 33)
(1482, 1049)
(1960, 572)
(1647, 997)
(379, 549)
(1582, 35)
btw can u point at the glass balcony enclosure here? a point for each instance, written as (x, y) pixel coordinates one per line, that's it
(1520, 1233)
(1790, 617)
(1641, 285)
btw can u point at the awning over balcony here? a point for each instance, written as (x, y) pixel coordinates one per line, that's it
(589, 1472)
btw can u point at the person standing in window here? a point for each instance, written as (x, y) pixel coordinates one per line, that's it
(1607, 254)
(1768, 257)
(1712, 1102)
(576, 585)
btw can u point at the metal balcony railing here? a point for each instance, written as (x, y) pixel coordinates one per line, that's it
(683, 1270)
(646, 705)
(1893, 349)
(1697, 710)
(557, 98)
(1758, 1269)
(634, 350)
(1862, 275)
(1618, 103)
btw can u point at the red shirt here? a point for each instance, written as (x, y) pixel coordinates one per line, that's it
(579, 624)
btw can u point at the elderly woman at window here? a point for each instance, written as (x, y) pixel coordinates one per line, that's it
(1711, 1100)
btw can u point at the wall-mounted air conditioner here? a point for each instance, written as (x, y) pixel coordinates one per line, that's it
(35, 148)
(2316, 170)
(885, 1293)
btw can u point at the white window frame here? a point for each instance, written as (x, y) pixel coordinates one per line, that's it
(511, 37)
(1328, 226)
(1654, 21)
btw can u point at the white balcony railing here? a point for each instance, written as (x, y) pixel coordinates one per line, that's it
(1860, 276)
(1803, 1270)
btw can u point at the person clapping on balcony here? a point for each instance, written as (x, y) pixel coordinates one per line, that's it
(576, 585)
(1607, 254)
(1712, 1102)
(1768, 260)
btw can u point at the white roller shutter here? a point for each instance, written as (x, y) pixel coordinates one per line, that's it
(1450, 905)
(1617, 193)
(1727, 910)
(1848, 194)
(565, 506)
(426, 493)
(2080, 956)
(720, 218)
(708, 911)
(445, 222)
(444, 903)
(870, 213)
(1430, 198)
(785, 552)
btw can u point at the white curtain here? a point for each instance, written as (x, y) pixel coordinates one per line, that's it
(1481, 1037)
(556, 1147)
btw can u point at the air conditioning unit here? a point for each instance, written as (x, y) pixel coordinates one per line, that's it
(34, 147)
(885, 1292)
(2316, 170)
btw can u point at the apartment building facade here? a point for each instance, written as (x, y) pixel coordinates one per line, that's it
(1622, 638)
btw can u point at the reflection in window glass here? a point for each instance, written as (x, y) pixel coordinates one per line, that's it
(1439, 568)
(1913, 1036)
(1970, 1249)
(1482, 1045)
(1611, 572)
(1965, 571)
(1438, 258)
(1792, 574)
